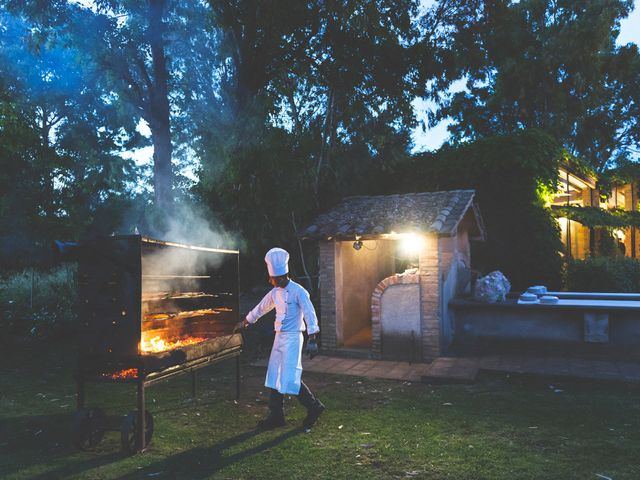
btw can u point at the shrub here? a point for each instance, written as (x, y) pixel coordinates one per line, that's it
(38, 303)
(603, 274)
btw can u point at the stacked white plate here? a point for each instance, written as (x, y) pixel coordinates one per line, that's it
(528, 297)
(548, 299)
(537, 290)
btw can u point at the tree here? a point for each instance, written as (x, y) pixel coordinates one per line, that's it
(548, 64)
(128, 40)
(60, 139)
(314, 103)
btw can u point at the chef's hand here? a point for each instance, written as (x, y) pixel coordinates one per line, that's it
(241, 325)
(312, 347)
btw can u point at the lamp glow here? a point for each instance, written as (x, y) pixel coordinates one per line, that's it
(410, 244)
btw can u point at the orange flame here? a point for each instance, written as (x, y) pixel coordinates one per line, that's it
(127, 373)
(158, 344)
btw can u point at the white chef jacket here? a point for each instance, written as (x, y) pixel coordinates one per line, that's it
(292, 304)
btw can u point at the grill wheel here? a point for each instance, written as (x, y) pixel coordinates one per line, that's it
(129, 437)
(88, 428)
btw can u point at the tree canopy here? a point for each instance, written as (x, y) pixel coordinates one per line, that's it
(60, 140)
(552, 65)
(276, 110)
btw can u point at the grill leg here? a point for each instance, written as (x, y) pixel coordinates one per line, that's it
(237, 377)
(194, 383)
(141, 415)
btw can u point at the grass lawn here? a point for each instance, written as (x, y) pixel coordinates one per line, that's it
(500, 428)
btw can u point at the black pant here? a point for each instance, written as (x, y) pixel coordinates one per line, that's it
(305, 397)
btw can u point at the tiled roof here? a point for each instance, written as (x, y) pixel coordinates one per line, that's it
(434, 212)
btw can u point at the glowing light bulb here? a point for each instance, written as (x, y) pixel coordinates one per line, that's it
(410, 244)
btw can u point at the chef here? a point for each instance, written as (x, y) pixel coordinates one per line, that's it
(284, 373)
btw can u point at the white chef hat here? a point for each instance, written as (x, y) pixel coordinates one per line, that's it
(277, 262)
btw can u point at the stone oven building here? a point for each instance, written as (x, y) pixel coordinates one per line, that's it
(389, 266)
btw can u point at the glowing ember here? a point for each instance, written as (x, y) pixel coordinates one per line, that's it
(156, 296)
(127, 373)
(158, 344)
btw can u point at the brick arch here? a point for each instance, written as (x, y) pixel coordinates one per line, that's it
(376, 307)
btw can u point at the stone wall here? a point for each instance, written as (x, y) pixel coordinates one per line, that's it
(429, 271)
(328, 294)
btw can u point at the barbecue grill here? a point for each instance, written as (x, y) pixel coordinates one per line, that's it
(149, 310)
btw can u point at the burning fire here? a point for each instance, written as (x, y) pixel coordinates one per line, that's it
(127, 373)
(158, 344)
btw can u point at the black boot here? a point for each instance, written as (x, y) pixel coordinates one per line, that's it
(275, 418)
(313, 405)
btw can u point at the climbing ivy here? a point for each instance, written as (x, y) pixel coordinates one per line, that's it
(578, 166)
(598, 217)
(625, 173)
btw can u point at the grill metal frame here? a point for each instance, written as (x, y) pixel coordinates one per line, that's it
(111, 276)
(112, 273)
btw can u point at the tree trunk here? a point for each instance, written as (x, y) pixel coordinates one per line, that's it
(327, 136)
(158, 109)
(162, 169)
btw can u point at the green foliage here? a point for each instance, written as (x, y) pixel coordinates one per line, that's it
(624, 173)
(598, 217)
(510, 174)
(579, 166)
(552, 65)
(603, 274)
(38, 303)
(314, 104)
(289, 106)
(263, 191)
(60, 142)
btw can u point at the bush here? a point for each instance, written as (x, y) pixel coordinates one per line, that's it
(603, 274)
(38, 303)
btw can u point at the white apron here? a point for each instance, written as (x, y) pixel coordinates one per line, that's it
(285, 363)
